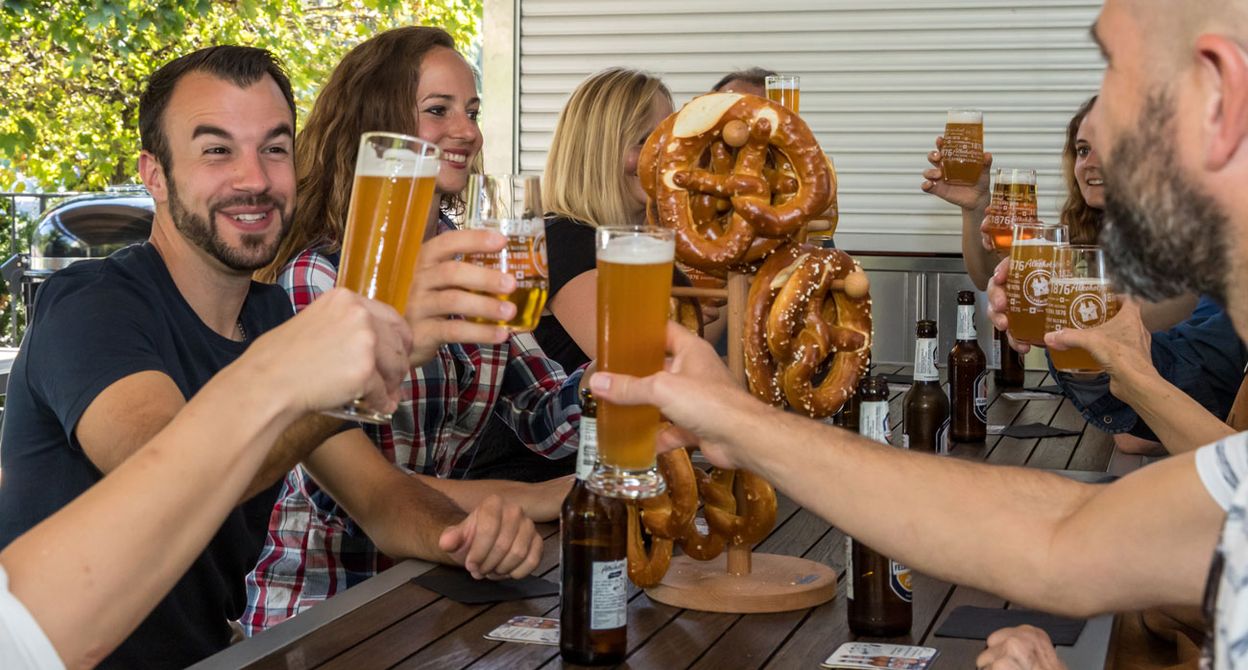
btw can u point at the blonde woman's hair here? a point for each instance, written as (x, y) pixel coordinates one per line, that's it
(607, 114)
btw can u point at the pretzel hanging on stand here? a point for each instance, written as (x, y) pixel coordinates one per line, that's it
(664, 519)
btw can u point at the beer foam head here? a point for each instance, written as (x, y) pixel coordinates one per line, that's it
(1034, 242)
(965, 116)
(396, 162)
(638, 250)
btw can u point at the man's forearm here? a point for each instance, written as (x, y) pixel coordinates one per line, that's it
(1180, 423)
(294, 445)
(1027, 536)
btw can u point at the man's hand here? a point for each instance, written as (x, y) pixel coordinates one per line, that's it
(446, 288)
(1122, 345)
(967, 197)
(998, 304)
(1019, 648)
(696, 392)
(342, 347)
(496, 541)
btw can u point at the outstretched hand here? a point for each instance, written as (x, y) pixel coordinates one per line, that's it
(967, 197)
(1121, 345)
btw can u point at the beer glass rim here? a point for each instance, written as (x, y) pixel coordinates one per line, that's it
(1034, 226)
(782, 79)
(978, 113)
(1010, 175)
(425, 144)
(658, 231)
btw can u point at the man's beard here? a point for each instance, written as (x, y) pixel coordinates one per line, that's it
(1163, 234)
(254, 253)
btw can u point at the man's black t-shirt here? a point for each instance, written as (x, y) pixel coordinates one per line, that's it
(93, 324)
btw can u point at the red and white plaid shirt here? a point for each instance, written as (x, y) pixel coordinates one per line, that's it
(314, 549)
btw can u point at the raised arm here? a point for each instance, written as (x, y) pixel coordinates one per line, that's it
(973, 201)
(90, 573)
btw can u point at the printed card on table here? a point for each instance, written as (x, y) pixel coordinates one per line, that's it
(870, 655)
(527, 629)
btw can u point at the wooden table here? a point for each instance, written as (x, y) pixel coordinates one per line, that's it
(390, 622)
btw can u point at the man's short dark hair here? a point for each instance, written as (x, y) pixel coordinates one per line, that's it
(240, 65)
(755, 75)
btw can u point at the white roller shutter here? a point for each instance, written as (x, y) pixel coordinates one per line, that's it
(877, 77)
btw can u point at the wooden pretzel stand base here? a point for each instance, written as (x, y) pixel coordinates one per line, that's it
(739, 581)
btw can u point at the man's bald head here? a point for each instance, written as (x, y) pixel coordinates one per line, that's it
(1170, 28)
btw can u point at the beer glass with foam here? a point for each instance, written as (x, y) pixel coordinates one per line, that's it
(785, 89)
(1032, 255)
(634, 290)
(512, 206)
(962, 152)
(386, 218)
(1013, 202)
(1080, 296)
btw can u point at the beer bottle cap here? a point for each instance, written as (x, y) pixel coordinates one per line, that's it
(966, 297)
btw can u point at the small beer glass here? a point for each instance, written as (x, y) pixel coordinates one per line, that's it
(512, 206)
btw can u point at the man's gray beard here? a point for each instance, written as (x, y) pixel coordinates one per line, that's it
(1163, 234)
(253, 255)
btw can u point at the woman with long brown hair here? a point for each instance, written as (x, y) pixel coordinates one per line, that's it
(408, 80)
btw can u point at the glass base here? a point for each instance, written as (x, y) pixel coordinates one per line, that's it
(358, 411)
(614, 482)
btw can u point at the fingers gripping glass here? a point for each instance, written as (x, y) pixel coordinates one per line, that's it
(390, 200)
(1081, 297)
(512, 205)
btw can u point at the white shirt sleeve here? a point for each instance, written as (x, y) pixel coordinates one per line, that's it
(23, 645)
(1222, 466)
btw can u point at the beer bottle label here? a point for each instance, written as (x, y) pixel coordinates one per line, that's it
(942, 438)
(899, 581)
(981, 396)
(849, 567)
(608, 596)
(873, 421)
(925, 361)
(588, 451)
(966, 322)
(905, 440)
(995, 363)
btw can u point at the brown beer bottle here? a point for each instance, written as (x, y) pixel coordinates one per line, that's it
(925, 414)
(968, 377)
(593, 590)
(847, 417)
(877, 588)
(1009, 363)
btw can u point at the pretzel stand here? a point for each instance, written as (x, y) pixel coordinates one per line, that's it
(742, 181)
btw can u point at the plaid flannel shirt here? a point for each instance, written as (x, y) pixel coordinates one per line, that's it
(314, 549)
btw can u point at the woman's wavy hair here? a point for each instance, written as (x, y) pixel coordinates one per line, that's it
(607, 113)
(372, 88)
(1083, 222)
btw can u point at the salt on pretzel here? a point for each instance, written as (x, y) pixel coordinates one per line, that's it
(751, 514)
(808, 314)
(683, 169)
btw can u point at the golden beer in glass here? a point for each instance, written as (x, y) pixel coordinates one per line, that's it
(634, 290)
(1013, 202)
(785, 89)
(1080, 296)
(1032, 255)
(512, 206)
(962, 152)
(386, 219)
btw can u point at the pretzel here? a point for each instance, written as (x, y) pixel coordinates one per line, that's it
(779, 178)
(809, 313)
(750, 516)
(705, 546)
(664, 518)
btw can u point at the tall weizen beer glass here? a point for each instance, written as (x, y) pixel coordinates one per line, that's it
(390, 200)
(1080, 296)
(512, 205)
(1031, 272)
(785, 89)
(962, 152)
(634, 290)
(1013, 202)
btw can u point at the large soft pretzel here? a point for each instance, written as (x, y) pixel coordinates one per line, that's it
(728, 168)
(750, 515)
(664, 519)
(809, 314)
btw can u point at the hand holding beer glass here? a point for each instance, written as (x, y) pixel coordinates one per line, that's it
(634, 290)
(1032, 255)
(1080, 296)
(785, 89)
(512, 206)
(386, 218)
(962, 152)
